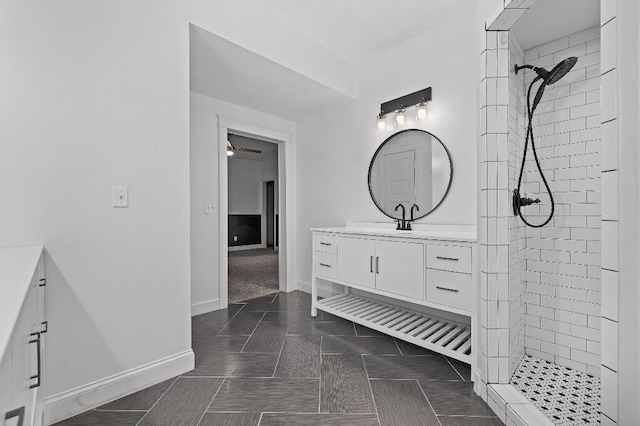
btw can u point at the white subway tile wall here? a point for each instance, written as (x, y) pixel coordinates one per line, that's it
(561, 297)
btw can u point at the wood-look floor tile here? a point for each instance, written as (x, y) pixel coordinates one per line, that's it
(273, 395)
(359, 345)
(184, 403)
(243, 323)
(290, 419)
(306, 328)
(300, 357)
(235, 365)
(104, 418)
(454, 398)
(206, 329)
(344, 385)
(410, 367)
(401, 402)
(141, 400)
(469, 421)
(268, 337)
(230, 419)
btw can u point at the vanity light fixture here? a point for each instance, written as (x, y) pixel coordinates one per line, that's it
(418, 99)
(382, 122)
(400, 117)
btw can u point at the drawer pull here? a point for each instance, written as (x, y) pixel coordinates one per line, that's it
(37, 376)
(371, 264)
(325, 265)
(324, 244)
(377, 265)
(447, 289)
(455, 259)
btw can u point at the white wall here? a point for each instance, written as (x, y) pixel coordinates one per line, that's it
(204, 186)
(245, 186)
(335, 147)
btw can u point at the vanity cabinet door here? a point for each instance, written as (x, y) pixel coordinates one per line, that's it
(356, 257)
(400, 268)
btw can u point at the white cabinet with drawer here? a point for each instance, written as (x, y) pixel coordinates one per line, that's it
(434, 270)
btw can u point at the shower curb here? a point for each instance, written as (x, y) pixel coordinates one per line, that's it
(513, 408)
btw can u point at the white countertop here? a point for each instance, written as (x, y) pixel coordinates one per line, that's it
(461, 233)
(17, 266)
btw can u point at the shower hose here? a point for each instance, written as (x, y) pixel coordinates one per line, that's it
(529, 137)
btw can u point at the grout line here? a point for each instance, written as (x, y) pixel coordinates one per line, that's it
(254, 330)
(455, 369)
(429, 402)
(320, 379)
(373, 398)
(158, 400)
(397, 345)
(211, 402)
(281, 348)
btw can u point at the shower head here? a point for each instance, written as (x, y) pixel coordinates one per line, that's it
(550, 77)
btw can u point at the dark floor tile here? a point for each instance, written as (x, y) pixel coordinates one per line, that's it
(304, 303)
(262, 299)
(462, 368)
(235, 365)
(359, 345)
(273, 395)
(184, 403)
(243, 323)
(268, 337)
(454, 398)
(300, 357)
(230, 419)
(401, 402)
(104, 418)
(141, 400)
(290, 316)
(410, 367)
(305, 328)
(218, 344)
(361, 330)
(206, 329)
(344, 386)
(221, 315)
(469, 421)
(410, 349)
(284, 419)
(326, 316)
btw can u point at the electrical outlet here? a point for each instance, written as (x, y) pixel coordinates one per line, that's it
(209, 208)
(235, 238)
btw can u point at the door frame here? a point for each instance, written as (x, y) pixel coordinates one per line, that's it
(286, 200)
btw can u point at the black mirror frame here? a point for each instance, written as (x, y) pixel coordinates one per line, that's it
(376, 154)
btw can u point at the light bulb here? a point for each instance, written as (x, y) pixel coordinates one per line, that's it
(422, 111)
(382, 122)
(229, 153)
(400, 117)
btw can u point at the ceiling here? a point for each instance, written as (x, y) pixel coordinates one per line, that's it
(223, 70)
(549, 20)
(360, 29)
(269, 150)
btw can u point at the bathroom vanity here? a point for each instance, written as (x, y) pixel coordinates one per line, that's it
(417, 285)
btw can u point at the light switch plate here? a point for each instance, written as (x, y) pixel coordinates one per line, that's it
(120, 196)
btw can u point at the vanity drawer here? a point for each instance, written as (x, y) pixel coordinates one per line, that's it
(327, 265)
(449, 258)
(449, 289)
(326, 243)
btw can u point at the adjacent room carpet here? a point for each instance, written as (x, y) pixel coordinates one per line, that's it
(252, 273)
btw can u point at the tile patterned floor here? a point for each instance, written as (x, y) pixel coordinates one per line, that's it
(567, 397)
(268, 362)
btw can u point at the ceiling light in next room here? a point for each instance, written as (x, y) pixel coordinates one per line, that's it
(229, 149)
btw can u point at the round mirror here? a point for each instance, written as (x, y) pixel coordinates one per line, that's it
(410, 168)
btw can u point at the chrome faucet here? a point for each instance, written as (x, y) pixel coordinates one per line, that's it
(403, 225)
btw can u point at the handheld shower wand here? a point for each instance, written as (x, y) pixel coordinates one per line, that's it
(547, 77)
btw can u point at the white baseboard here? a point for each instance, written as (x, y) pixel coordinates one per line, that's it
(247, 247)
(204, 306)
(323, 291)
(75, 401)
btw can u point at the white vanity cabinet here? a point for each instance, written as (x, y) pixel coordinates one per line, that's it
(431, 268)
(22, 332)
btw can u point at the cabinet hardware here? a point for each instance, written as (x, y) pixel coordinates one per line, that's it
(371, 264)
(324, 244)
(377, 265)
(37, 342)
(17, 412)
(455, 259)
(43, 282)
(325, 265)
(447, 289)
(46, 327)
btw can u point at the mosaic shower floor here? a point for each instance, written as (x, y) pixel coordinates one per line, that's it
(567, 397)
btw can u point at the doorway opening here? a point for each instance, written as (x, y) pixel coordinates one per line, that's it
(253, 258)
